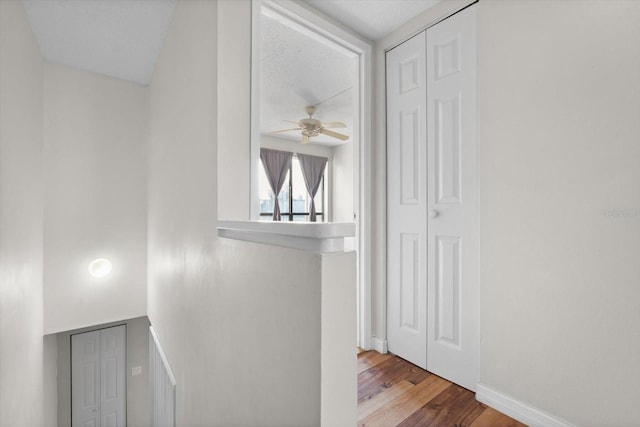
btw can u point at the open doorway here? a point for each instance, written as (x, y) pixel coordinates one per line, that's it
(311, 97)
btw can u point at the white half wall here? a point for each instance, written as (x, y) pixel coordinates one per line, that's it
(272, 330)
(339, 364)
(559, 107)
(289, 330)
(95, 198)
(21, 218)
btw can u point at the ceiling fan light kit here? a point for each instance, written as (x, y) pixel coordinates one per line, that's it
(311, 127)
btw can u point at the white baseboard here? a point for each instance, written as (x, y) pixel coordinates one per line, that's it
(380, 345)
(518, 410)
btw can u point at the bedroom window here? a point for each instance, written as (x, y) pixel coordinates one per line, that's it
(294, 200)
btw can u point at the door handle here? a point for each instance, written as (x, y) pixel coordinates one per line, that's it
(433, 213)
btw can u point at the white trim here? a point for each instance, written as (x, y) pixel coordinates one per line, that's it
(380, 345)
(518, 410)
(365, 208)
(315, 22)
(319, 237)
(254, 149)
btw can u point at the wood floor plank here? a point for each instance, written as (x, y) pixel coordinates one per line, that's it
(377, 401)
(385, 375)
(392, 392)
(371, 359)
(406, 404)
(455, 406)
(386, 372)
(492, 418)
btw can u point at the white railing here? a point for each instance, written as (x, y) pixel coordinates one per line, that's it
(163, 385)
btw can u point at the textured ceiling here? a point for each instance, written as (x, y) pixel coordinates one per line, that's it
(372, 19)
(297, 70)
(122, 39)
(119, 38)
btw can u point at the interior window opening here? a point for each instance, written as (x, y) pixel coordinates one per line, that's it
(294, 199)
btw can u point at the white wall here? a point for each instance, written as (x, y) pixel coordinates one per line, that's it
(21, 344)
(559, 107)
(95, 198)
(234, 119)
(240, 323)
(343, 188)
(182, 210)
(138, 409)
(559, 101)
(275, 143)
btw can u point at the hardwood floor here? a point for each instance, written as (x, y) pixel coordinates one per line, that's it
(393, 392)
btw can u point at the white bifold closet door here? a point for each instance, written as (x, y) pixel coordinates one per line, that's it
(98, 378)
(432, 200)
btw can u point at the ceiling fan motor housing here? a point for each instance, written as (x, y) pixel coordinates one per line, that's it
(311, 127)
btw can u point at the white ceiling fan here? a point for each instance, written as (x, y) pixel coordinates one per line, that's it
(311, 127)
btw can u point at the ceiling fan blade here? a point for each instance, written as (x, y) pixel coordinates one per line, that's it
(305, 139)
(334, 125)
(334, 134)
(283, 130)
(291, 121)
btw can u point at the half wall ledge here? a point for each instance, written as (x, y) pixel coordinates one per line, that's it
(319, 237)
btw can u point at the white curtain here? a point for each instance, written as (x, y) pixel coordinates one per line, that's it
(312, 171)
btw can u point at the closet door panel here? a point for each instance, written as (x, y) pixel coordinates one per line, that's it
(407, 201)
(85, 379)
(113, 342)
(453, 205)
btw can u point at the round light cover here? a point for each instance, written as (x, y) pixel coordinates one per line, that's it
(100, 267)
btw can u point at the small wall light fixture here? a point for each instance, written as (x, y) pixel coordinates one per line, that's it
(100, 267)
